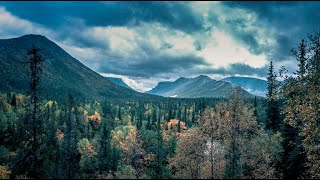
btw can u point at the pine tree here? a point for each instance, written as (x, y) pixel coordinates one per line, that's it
(185, 116)
(105, 151)
(13, 100)
(30, 161)
(301, 94)
(154, 117)
(52, 153)
(193, 120)
(294, 157)
(119, 115)
(170, 115)
(273, 111)
(301, 58)
(255, 110)
(70, 153)
(179, 114)
(149, 126)
(159, 151)
(139, 123)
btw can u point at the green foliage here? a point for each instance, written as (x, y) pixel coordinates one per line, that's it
(239, 137)
(125, 172)
(105, 149)
(267, 150)
(88, 160)
(172, 144)
(301, 110)
(4, 155)
(68, 131)
(273, 109)
(3, 124)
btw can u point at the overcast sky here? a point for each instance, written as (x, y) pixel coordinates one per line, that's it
(148, 42)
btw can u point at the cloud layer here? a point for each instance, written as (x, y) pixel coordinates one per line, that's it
(147, 42)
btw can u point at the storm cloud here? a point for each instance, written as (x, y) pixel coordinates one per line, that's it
(290, 21)
(57, 14)
(153, 41)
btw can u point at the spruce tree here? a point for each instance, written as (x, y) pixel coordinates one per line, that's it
(149, 126)
(119, 115)
(301, 58)
(70, 153)
(154, 117)
(170, 115)
(193, 119)
(273, 111)
(30, 159)
(52, 153)
(139, 122)
(255, 110)
(159, 151)
(13, 100)
(105, 151)
(185, 116)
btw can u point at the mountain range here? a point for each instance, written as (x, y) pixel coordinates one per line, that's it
(201, 86)
(62, 74)
(254, 86)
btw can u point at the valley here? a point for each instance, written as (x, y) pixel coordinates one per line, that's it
(159, 90)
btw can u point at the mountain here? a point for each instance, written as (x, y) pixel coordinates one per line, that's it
(201, 86)
(62, 73)
(119, 81)
(254, 86)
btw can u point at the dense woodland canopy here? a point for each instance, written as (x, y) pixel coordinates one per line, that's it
(273, 137)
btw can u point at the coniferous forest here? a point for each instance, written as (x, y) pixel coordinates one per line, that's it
(83, 126)
(235, 137)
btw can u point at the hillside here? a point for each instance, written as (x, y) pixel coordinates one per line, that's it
(62, 73)
(118, 81)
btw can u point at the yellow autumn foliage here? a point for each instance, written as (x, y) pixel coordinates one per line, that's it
(6, 106)
(173, 127)
(19, 99)
(4, 172)
(96, 118)
(122, 136)
(49, 103)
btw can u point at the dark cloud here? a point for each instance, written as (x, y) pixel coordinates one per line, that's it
(238, 68)
(70, 22)
(152, 66)
(55, 14)
(70, 19)
(79, 37)
(292, 22)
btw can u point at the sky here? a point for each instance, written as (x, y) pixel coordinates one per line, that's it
(147, 42)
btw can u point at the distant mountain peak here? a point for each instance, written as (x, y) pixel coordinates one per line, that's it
(181, 79)
(200, 86)
(202, 77)
(31, 36)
